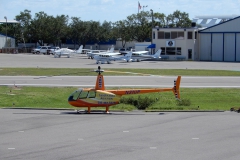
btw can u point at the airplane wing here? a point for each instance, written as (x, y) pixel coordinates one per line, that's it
(111, 53)
(140, 52)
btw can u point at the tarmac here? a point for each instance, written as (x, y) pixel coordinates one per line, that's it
(65, 134)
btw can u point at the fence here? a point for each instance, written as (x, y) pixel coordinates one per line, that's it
(15, 50)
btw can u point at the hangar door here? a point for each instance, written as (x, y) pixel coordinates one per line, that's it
(205, 47)
(229, 47)
(217, 47)
(238, 47)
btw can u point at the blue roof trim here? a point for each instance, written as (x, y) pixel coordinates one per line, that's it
(7, 35)
(219, 24)
(152, 46)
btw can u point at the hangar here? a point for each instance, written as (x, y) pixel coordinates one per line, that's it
(220, 42)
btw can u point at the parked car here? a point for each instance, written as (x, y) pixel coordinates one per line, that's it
(44, 50)
(41, 49)
(52, 49)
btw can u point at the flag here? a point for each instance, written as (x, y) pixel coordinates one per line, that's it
(139, 6)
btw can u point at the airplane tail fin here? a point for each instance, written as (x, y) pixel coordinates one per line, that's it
(128, 56)
(111, 49)
(79, 51)
(157, 54)
(176, 87)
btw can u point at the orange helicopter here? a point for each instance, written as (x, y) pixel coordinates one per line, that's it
(99, 97)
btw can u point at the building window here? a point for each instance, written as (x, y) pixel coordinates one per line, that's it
(173, 35)
(195, 35)
(167, 35)
(160, 35)
(180, 35)
(170, 51)
(179, 51)
(189, 35)
(163, 51)
(153, 35)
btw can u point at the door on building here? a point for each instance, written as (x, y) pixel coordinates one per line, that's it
(189, 53)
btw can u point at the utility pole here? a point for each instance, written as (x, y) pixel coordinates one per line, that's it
(151, 29)
(6, 31)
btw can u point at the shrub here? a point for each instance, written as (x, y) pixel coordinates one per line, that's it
(141, 102)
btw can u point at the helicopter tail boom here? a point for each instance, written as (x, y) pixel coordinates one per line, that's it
(176, 87)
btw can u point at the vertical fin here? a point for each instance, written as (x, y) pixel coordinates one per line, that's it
(176, 87)
(100, 80)
(111, 49)
(80, 49)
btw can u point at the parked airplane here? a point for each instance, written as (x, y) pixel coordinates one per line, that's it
(105, 57)
(92, 53)
(67, 52)
(140, 55)
(127, 57)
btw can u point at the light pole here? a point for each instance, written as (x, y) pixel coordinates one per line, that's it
(152, 28)
(6, 30)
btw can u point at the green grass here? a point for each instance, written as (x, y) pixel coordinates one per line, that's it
(56, 97)
(115, 72)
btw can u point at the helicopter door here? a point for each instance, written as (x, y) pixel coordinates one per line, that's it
(91, 94)
(83, 95)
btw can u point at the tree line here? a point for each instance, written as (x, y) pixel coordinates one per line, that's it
(43, 28)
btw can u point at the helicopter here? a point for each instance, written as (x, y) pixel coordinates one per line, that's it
(100, 97)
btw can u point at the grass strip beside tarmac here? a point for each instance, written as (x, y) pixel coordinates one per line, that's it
(201, 99)
(112, 72)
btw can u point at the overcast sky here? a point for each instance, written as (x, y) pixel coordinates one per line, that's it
(114, 10)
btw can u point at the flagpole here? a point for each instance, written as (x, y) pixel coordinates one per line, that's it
(138, 6)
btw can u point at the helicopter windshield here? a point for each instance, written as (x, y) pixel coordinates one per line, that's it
(81, 94)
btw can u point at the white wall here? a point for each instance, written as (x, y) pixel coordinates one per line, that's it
(10, 42)
(142, 46)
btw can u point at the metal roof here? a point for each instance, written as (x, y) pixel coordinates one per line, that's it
(211, 20)
(219, 24)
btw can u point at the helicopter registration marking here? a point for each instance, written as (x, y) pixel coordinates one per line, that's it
(132, 92)
(99, 102)
(100, 82)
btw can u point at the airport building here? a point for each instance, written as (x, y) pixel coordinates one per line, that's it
(176, 43)
(217, 42)
(220, 42)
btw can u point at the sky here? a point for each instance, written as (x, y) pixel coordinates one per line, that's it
(115, 10)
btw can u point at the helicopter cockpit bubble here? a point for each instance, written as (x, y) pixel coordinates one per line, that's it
(82, 94)
(74, 96)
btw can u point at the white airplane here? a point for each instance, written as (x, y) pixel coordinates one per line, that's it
(67, 52)
(140, 55)
(108, 57)
(105, 57)
(127, 57)
(92, 53)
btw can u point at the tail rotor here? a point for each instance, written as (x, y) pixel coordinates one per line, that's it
(176, 87)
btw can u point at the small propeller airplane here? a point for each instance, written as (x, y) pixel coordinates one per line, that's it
(112, 56)
(67, 52)
(100, 97)
(140, 55)
(92, 53)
